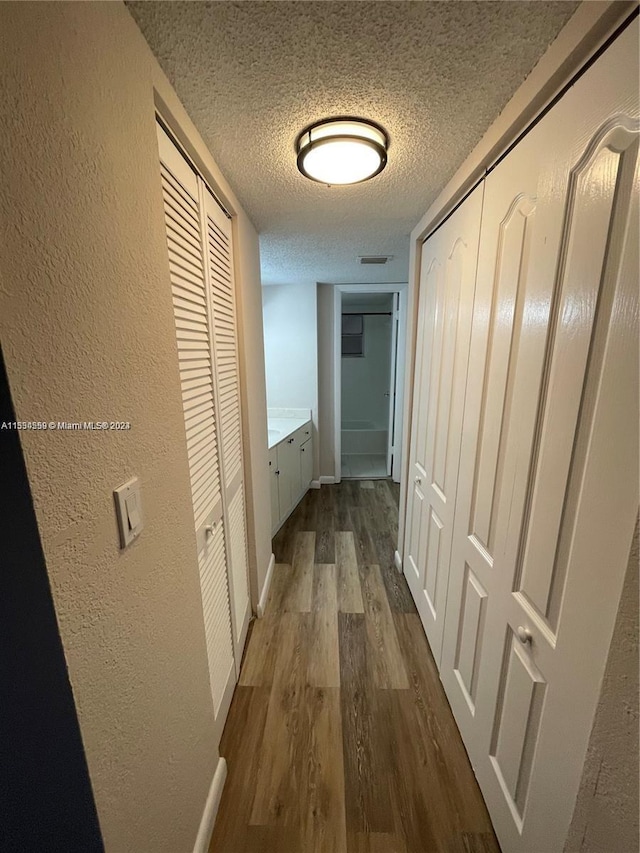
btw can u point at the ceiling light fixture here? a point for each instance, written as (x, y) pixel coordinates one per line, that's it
(342, 150)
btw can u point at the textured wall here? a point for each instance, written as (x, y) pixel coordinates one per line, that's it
(87, 331)
(291, 350)
(606, 814)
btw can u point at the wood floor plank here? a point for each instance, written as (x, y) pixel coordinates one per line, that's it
(324, 658)
(321, 792)
(240, 745)
(386, 658)
(325, 532)
(364, 548)
(366, 776)
(277, 781)
(417, 798)
(297, 597)
(342, 505)
(348, 579)
(374, 842)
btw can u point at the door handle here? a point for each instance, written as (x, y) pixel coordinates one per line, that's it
(524, 635)
(210, 529)
(418, 481)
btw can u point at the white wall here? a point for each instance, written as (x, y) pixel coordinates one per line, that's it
(87, 331)
(365, 380)
(291, 350)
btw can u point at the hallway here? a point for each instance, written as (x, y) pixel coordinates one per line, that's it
(340, 738)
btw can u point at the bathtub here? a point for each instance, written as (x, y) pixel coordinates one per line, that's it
(363, 437)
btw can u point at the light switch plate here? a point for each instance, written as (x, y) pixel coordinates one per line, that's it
(129, 511)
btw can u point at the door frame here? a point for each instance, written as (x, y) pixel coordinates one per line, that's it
(401, 289)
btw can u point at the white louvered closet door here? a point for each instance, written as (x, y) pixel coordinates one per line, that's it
(183, 222)
(221, 283)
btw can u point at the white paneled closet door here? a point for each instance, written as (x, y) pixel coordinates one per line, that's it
(183, 218)
(548, 488)
(219, 253)
(446, 305)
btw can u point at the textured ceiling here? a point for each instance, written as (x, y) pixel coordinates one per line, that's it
(253, 74)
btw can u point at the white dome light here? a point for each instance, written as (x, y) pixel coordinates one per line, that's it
(342, 151)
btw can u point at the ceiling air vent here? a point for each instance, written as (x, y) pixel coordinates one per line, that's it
(374, 259)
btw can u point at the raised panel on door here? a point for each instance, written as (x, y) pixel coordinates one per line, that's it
(183, 215)
(547, 509)
(219, 254)
(446, 305)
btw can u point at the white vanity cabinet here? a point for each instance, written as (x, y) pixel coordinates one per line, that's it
(291, 471)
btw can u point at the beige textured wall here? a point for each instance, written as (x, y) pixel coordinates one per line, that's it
(87, 331)
(605, 819)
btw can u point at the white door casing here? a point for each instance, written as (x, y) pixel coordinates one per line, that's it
(548, 487)
(444, 327)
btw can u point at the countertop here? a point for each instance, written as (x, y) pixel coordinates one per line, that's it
(281, 428)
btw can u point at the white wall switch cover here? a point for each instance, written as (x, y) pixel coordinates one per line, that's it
(129, 511)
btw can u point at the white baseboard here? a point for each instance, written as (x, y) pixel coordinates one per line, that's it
(265, 589)
(203, 839)
(327, 481)
(397, 560)
(314, 484)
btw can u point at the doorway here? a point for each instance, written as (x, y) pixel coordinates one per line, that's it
(369, 379)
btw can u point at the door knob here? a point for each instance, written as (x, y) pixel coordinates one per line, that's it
(209, 529)
(524, 635)
(419, 481)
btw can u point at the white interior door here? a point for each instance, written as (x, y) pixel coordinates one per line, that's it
(183, 217)
(548, 491)
(446, 305)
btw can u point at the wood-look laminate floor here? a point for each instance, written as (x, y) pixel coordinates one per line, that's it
(340, 738)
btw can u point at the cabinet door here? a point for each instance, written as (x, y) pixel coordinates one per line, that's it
(289, 468)
(548, 490)
(446, 304)
(273, 483)
(306, 464)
